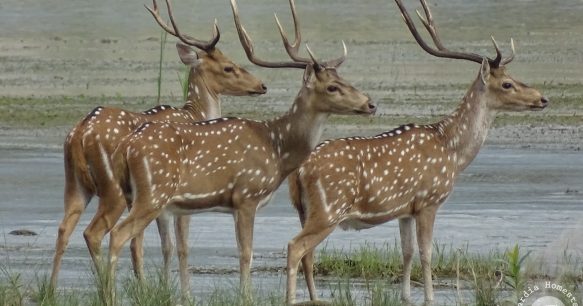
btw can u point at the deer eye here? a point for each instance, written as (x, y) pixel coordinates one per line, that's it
(229, 69)
(506, 85)
(332, 88)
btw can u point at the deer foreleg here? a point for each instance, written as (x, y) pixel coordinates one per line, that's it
(406, 231)
(181, 225)
(424, 221)
(244, 222)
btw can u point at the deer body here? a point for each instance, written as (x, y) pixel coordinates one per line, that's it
(403, 174)
(89, 146)
(246, 159)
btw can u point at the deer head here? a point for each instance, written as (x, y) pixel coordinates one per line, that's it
(500, 90)
(506, 93)
(222, 75)
(323, 88)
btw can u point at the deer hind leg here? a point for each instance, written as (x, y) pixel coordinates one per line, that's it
(182, 224)
(406, 231)
(308, 267)
(295, 192)
(137, 254)
(163, 224)
(110, 209)
(137, 247)
(76, 199)
(424, 221)
(132, 226)
(300, 246)
(112, 203)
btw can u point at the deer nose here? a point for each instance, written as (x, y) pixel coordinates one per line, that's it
(544, 101)
(372, 108)
(263, 86)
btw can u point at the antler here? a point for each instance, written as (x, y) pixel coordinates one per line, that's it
(291, 49)
(247, 44)
(441, 50)
(189, 40)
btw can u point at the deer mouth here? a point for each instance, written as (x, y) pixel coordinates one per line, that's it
(539, 106)
(256, 93)
(262, 90)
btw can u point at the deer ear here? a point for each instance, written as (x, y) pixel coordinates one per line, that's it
(485, 71)
(187, 55)
(308, 72)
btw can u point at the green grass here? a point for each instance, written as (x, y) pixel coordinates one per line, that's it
(495, 278)
(64, 111)
(367, 275)
(370, 261)
(12, 289)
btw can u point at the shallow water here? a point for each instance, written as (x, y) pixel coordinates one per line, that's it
(533, 198)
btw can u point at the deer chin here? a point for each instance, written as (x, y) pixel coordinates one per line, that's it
(256, 93)
(538, 107)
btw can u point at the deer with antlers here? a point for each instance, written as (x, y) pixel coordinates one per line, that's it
(403, 174)
(230, 165)
(89, 146)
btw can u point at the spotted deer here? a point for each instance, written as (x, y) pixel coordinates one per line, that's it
(88, 147)
(403, 174)
(230, 165)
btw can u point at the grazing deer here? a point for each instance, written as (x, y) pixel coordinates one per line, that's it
(90, 144)
(403, 174)
(229, 165)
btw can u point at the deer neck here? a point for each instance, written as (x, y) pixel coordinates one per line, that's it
(202, 102)
(295, 134)
(465, 130)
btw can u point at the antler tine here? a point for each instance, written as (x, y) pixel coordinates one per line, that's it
(292, 49)
(496, 61)
(337, 62)
(204, 45)
(312, 56)
(441, 51)
(428, 23)
(511, 57)
(247, 44)
(156, 14)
